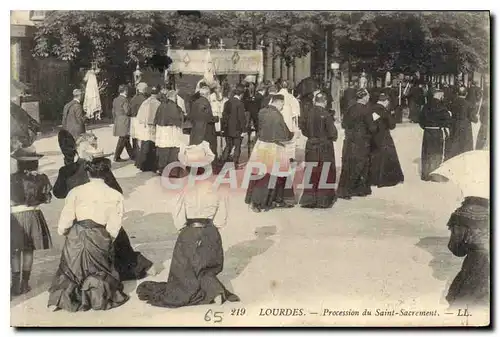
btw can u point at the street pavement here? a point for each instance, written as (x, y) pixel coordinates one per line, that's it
(387, 251)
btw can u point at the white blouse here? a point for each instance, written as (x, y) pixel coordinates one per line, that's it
(203, 201)
(94, 201)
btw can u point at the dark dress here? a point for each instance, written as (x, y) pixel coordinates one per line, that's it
(358, 125)
(470, 235)
(463, 114)
(385, 169)
(319, 128)
(28, 229)
(130, 264)
(197, 259)
(435, 143)
(86, 278)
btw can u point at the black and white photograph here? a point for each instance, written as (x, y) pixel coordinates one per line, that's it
(250, 168)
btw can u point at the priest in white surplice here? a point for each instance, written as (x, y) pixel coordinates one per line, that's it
(290, 112)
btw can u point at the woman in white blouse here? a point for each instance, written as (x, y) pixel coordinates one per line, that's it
(86, 278)
(198, 254)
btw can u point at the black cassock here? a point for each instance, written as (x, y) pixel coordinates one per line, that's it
(358, 125)
(415, 101)
(463, 114)
(203, 122)
(385, 169)
(129, 263)
(319, 128)
(435, 119)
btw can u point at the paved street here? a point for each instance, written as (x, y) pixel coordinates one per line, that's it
(386, 251)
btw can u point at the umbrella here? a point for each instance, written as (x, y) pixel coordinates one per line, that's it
(470, 171)
(306, 87)
(23, 127)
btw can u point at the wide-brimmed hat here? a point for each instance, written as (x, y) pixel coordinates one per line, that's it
(67, 144)
(383, 97)
(96, 153)
(88, 152)
(26, 154)
(196, 155)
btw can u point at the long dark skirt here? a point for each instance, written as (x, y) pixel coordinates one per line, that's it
(86, 278)
(461, 139)
(263, 194)
(197, 259)
(385, 169)
(131, 265)
(322, 153)
(433, 151)
(29, 231)
(355, 168)
(483, 137)
(146, 160)
(165, 156)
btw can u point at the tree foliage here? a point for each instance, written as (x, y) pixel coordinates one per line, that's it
(407, 41)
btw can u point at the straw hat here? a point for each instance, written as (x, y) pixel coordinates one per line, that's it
(26, 154)
(196, 155)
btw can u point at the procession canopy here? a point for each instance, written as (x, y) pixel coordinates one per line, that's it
(223, 62)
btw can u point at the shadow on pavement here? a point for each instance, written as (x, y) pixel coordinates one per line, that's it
(239, 256)
(156, 245)
(129, 184)
(444, 264)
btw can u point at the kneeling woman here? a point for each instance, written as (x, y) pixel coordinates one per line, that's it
(86, 278)
(130, 264)
(198, 254)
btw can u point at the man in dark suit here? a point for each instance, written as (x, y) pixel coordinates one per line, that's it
(252, 101)
(135, 104)
(121, 116)
(73, 119)
(234, 123)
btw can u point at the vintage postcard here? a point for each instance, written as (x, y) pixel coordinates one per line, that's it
(250, 168)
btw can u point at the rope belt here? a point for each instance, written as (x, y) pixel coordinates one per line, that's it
(445, 135)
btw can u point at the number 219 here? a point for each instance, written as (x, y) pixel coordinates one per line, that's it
(238, 312)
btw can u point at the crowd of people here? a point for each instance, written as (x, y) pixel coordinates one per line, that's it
(97, 254)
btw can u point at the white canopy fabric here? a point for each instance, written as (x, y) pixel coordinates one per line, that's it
(220, 62)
